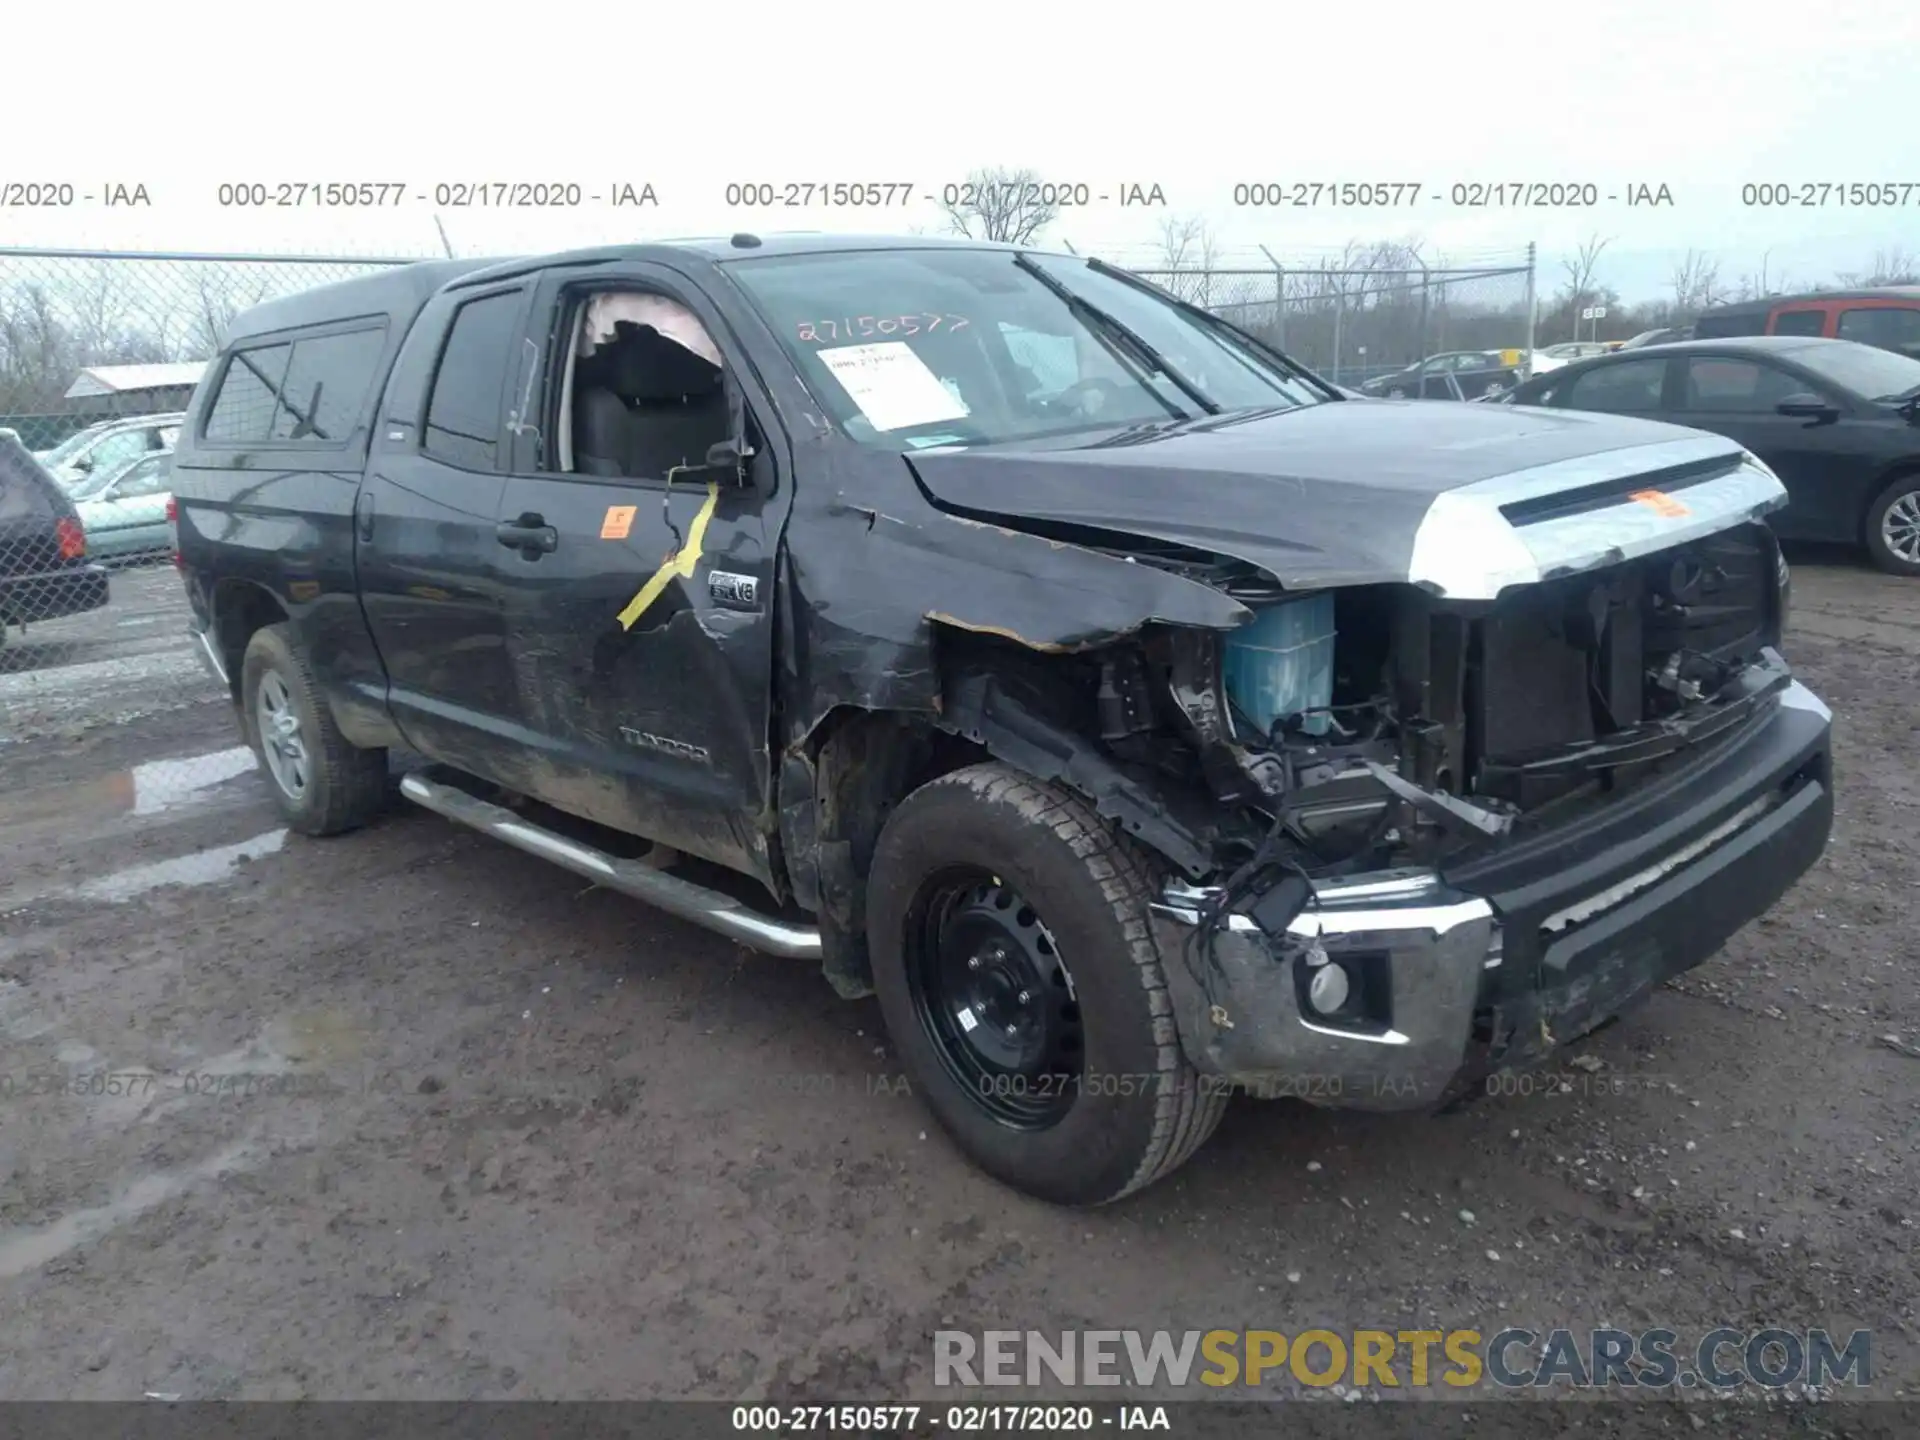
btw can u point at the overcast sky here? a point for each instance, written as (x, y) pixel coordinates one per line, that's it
(1700, 96)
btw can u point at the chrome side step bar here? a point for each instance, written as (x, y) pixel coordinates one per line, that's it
(719, 913)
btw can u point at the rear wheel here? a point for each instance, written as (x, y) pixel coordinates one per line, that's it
(322, 784)
(1893, 527)
(1020, 982)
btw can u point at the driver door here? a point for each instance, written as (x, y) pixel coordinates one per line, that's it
(1826, 466)
(639, 608)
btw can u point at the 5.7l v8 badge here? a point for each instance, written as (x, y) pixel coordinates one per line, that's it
(739, 592)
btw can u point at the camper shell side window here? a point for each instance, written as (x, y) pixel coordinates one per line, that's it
(311, 389)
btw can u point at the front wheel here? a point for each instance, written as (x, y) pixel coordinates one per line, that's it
(1893, 527)
(1017, 971)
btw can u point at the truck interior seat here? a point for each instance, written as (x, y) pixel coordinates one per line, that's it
(600, 432)
(648, 404)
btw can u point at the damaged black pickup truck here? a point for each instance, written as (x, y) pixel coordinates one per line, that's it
(1139, 717)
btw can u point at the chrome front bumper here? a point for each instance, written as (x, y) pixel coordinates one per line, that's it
(1245, 1016)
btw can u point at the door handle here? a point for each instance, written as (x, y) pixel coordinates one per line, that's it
(364, 504)
(530, 535)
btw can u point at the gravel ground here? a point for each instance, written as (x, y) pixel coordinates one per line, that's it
(491, 1134)
(128, 661)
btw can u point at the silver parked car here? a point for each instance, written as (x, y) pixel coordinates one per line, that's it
(124, 511)
(110, 446)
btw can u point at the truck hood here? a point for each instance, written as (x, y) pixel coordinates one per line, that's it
(1463, 500)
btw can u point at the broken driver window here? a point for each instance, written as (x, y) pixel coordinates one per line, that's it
(645, 392)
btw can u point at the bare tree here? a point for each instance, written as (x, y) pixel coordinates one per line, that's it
(36, 350)
(219, 299)
(1186, 260)
(1696, 283)
(1368, 303)
(1897, 266)
(1010, 206)
(1758, 284)
(1580, 274)
(94, 300)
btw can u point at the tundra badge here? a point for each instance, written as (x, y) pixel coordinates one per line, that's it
(679, 749)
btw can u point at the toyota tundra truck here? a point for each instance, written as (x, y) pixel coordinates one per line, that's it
(1141, 718)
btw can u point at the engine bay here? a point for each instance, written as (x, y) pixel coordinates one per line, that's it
(1375, 726)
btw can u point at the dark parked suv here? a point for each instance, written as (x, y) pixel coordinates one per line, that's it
(44, 571)
(1139, 717)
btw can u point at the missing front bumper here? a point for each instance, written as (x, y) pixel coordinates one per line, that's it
(1572, 929)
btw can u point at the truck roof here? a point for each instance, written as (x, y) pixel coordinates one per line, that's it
(726, 249)
(397, 291)
(401, 291)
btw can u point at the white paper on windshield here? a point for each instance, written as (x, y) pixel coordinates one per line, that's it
(892, 386)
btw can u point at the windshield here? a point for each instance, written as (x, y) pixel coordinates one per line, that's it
(911, 348)
(89, 486)
(70, 446)
(1863, 369)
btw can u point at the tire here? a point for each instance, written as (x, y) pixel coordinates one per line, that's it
(1137, 1109)
(341, 787)
(1893, 520)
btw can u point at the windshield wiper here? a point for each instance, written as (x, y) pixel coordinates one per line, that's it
(1119, 339)
(1213, 322)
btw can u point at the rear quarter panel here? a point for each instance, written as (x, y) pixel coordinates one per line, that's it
(281, 521)
(288, 532)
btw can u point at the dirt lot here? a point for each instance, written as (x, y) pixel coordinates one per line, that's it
(487, 1133)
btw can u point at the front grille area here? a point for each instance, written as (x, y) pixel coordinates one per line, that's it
(1728, 613)
(1562, 667)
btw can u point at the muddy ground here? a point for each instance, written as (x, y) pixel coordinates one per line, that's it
(485, 1132)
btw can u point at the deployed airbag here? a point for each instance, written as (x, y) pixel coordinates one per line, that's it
(669, 317)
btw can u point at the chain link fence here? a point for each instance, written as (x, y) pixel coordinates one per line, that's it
(1356, 323)
(99, 353)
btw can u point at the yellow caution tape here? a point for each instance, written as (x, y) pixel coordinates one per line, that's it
(679, 565)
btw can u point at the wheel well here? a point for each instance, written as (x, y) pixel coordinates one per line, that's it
(836, 793)
(239, 609)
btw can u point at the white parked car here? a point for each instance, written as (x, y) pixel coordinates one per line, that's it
(1577, 350)
(111, 445)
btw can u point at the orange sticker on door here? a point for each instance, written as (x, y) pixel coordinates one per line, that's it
(1660, 503)
(618, 522)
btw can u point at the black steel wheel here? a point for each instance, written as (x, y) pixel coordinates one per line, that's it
(986, 886)
(995, 997)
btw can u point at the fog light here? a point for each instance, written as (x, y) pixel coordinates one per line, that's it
(1327, 991)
